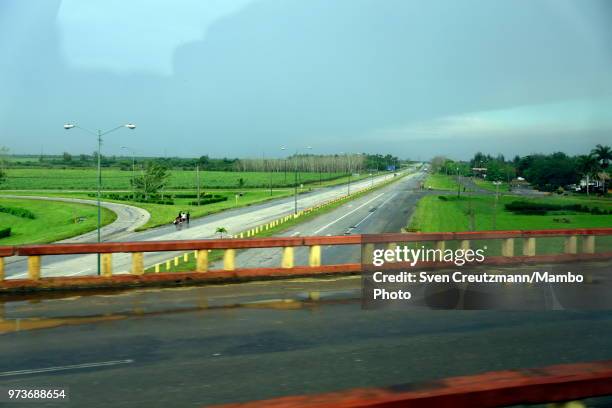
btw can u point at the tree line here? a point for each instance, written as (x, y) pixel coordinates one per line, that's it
(546, 172)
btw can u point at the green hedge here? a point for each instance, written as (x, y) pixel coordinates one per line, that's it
(531, 208)
(5, 232)
(19, 212)
(211, 200)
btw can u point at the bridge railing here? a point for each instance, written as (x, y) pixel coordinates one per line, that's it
(562, 384)
(571, 250)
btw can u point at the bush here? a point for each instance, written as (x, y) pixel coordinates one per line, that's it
(18, 212)
(5, 232)
(531, 208)
(214, 199)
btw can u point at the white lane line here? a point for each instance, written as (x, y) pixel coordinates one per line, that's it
(372, 213)
(63, 368)
(347, 214)
(295, 233)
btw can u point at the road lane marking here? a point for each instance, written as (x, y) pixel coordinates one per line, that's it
(295, 233)
(347, 214)
(372, 213)
(63, 368)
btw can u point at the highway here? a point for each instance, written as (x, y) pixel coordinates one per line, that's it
(192, 347)
(233, 220)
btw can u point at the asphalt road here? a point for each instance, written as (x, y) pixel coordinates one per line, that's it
(128, 217)
(192, 347)
(233, 220)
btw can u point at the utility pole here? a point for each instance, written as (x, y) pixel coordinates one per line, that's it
(198, 182)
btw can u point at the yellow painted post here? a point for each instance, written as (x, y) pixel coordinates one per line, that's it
(168, 265)
(441, 245)
(588, 244)
(571, 244)
(156, 268)
(202, 261)
(508, 247)
(176, 261)
(464, 244)
(314, 255)
(367, 254)
(267, 227)
(1, 268)
(107, 265)
(34, 267)
(314, 295)
(137, 263)
(195, 253)
(242, 235)
(248, 233)
(529, 246)
(186, 257)
(287, 260)
(229, 259)
(392, 246)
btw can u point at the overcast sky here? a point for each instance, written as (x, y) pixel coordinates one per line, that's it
(243, 77)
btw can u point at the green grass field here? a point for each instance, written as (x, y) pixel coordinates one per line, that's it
(436, 215)
(441, 182)
(488, 185)
(115, 179)
(54, 221)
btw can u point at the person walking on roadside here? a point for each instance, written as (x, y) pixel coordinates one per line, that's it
(187, 215)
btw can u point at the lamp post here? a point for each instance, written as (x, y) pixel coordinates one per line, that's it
(99, 135)
(133, 170)
(295, 179)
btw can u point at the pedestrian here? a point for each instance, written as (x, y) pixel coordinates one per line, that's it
(188, 215)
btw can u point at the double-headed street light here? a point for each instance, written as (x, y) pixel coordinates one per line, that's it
(99, 133)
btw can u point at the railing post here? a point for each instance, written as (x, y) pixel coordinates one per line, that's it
(287, 260)
(107, 265)
(367, 254)
(508, 247)
(529, 246)
(229, 259)
(1, 268)
(392, 246)
(137, 263)
(441, 245)
(588, 244)
(34, 267)
(464, 244)
(571, 244)
(314, 255)
(202, 261)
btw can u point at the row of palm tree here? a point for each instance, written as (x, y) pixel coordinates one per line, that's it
(595, 165)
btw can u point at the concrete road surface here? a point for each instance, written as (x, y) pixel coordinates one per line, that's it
(233, 220)
(193, 347)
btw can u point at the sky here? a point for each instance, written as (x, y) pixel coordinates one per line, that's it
(241, 78)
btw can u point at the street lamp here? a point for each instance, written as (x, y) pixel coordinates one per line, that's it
(133, 170)
(99, 133)
(295, 179)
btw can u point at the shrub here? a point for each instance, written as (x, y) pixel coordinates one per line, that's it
(5, 232)
(18, 212)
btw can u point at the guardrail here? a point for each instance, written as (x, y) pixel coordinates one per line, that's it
(559, 383)
(287, 267)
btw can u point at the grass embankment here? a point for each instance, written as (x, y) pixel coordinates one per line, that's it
(441, 182)
(115, 179)
(53, 221)
(451, 214)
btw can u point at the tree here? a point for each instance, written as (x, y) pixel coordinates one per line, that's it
(603, 155)
(67, 157)
(154, 178)
(3, 161)
(221, 231)
(588, 165)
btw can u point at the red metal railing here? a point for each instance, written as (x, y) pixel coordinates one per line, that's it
(557, 383)
(571, 251)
